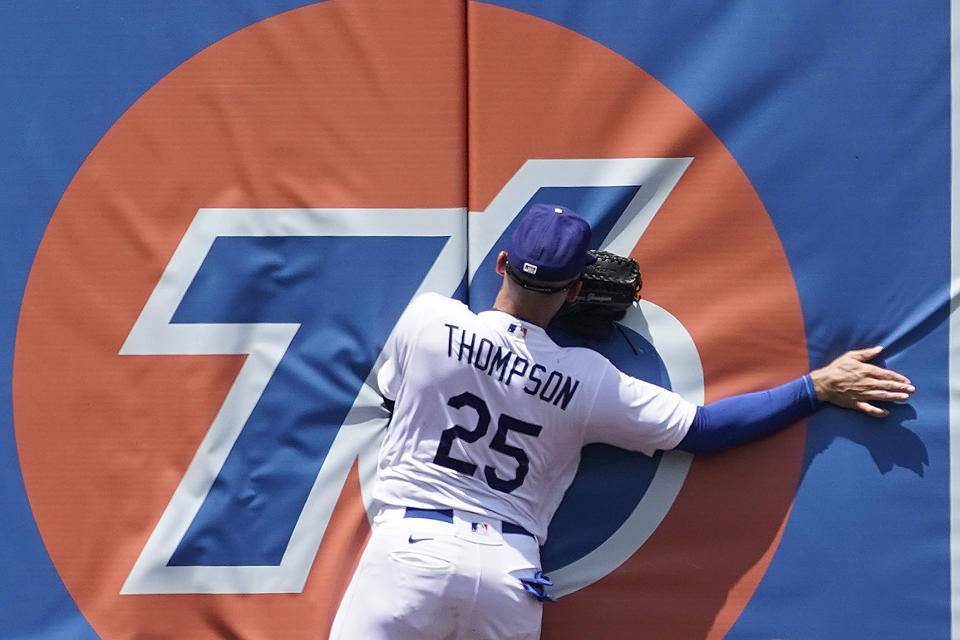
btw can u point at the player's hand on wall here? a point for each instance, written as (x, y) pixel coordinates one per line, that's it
(852, 382)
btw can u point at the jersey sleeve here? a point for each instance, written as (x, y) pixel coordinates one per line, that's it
(398, 345)
(388, 379)
(636, 415)
(725, 423)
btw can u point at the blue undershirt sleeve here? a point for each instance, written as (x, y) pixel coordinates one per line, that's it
(738, 419)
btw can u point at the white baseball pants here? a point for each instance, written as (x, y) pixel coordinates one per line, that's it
(423, 579)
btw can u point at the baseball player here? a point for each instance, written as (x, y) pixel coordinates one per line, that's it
(489, 419)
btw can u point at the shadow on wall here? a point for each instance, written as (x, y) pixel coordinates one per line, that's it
(889, 442)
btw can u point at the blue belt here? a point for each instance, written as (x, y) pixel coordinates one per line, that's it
(446, 515)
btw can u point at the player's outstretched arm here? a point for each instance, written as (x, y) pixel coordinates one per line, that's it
(849, 381)
(852, 382)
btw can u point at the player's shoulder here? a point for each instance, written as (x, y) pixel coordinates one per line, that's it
(430, 306)
(436, 302)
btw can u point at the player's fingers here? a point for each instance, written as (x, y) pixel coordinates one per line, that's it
(884, 374)
(872, 410)
(884, 396)
(865, 354)
(895, 385)
(888, 385)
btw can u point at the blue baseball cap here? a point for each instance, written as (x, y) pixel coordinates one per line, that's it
(550, 244)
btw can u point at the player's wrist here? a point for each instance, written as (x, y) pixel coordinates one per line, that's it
(820, 381)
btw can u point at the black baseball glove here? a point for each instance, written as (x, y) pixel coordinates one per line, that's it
(611, 285)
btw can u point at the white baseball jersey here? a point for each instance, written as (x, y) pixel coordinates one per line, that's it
(491, 414)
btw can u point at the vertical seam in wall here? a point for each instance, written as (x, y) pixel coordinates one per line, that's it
(467, 160)
(954, 324)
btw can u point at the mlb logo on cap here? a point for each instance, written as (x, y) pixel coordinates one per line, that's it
(550, 243)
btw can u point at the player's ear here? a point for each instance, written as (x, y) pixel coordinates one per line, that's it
(574, 291)
(502, 263)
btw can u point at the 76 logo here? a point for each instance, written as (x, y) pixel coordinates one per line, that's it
(309, 296)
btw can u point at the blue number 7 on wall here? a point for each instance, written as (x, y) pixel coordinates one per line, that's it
(309, 296)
